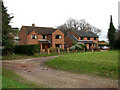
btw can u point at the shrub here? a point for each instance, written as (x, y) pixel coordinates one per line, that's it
(27, 49)
(62, 50)
(96, 49)
(83, 46)
(53, 49)
(76, 47)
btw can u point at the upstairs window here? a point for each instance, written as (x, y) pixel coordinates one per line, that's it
(58, 36)
(82, 38)
(44, 37)
(94, 38)
(33, 36)
(88, 38)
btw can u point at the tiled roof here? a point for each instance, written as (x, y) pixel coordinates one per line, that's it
(39, 30)
(73, 38)
(84, 33)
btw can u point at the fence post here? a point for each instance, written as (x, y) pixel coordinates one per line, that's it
(48, 51)
(92, 50)
(67, 50)
(58, 50)
(84, 50)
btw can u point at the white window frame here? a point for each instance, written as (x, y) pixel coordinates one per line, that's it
(33, 35)
(45, 36)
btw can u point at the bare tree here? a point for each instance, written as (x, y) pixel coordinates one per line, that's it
(73, 24)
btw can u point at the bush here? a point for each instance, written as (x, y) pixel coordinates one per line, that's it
(83, 47)
(53, 49)
(27, 49)
(62, 50)
(76, 47)
(96, 49)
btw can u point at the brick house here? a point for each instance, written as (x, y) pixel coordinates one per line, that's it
(44, 36)
(87, 38)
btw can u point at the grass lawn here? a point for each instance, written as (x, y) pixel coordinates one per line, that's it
(12, 80)
(103, 64)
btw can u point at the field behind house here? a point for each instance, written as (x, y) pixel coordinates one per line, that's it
(103, 64)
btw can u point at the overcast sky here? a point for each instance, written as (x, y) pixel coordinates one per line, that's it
(52, 13)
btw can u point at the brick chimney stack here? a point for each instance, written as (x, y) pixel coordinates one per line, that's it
(33, 25)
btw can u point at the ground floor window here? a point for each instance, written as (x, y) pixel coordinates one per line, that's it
(58, 45)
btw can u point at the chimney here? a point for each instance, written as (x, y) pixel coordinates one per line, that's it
(85, 29)
(33, 25)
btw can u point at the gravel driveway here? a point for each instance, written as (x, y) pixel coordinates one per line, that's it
(35, 70)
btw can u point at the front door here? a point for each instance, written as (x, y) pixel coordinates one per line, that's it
(46, 46)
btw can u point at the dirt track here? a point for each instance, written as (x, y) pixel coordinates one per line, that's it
(35, 70)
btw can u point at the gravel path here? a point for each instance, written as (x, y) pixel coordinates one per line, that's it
(35, 70)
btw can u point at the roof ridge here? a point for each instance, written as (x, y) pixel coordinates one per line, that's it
(39, 27)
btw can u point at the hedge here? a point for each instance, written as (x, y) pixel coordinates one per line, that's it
(27, 49)
(107, 44)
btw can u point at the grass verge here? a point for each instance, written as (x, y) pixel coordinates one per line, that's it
(103, 64)
(12, 80)
(23, 56)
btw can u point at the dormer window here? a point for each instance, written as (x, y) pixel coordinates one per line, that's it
(44, 37)
(33, 36)
(58, 36)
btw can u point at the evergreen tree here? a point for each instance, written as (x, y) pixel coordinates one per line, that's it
(7, 32)
(111, 34)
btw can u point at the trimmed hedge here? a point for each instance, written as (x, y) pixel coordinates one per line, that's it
(27, 49)
(104, 44)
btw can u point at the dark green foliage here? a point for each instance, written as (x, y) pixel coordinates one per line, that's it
(27, 49)
(117, 44)
(74, 42)
(8, 33)
(111, 34)
(104, 44)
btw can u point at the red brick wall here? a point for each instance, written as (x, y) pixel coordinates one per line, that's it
(22, 36)
(33, 41)
(49, 37)
(58, 41)
(95, 41)
(68, 41)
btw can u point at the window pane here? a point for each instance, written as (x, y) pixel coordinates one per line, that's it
(33, 36)
(60, 36)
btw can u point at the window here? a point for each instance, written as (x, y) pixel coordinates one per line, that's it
(88, 38)
(44, 36)
(33, 36)
(94, 38)
(82, 38)
(58, 45)
(58, 36)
